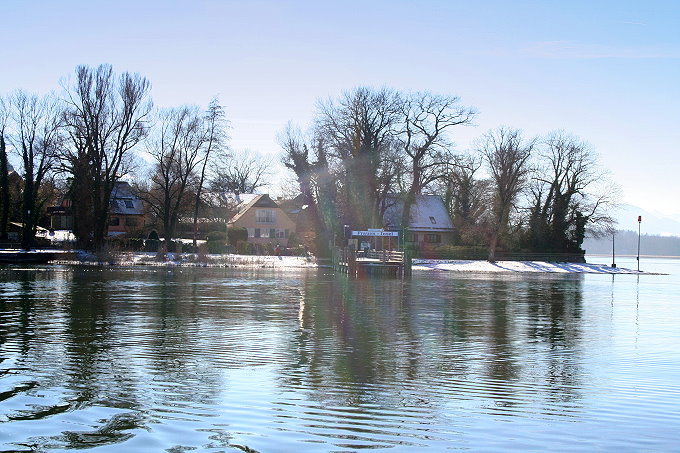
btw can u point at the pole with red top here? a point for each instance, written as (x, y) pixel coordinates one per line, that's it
(638, 255)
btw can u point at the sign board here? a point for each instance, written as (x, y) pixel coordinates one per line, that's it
(375, 233)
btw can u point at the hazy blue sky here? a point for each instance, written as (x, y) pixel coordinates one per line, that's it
(607, 71)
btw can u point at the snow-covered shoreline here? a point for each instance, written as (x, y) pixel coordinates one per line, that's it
(519, 267)
(191, 260)
(297, 262)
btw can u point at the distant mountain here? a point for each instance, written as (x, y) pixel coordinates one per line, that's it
(627, 244)
(652, 223)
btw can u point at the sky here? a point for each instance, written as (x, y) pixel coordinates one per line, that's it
(606, 71)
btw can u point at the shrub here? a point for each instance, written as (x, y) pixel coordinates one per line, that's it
(455, 252)
(236, 235)
(215, 236)
(152, 245)
(216, 247)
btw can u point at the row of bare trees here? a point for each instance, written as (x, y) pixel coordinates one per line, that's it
(369, 145)
(366, 146)
(365, 150)
(90, 137)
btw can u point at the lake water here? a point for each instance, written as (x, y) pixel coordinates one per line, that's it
(182, 359)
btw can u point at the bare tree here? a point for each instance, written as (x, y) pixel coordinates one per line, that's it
(570, 193)
(36, 139)
(4, 171)
(466, 195)
(215, 142)
(426, 120)
(243, 172)
(107, 117)
(316, 183)
(296, 157)
(360, 128)
(506, 154)
(176, 148)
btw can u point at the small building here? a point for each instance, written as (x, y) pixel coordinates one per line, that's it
(430, 224)
(126, 211)
(264, 219)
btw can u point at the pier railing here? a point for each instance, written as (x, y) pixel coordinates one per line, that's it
(372, 262)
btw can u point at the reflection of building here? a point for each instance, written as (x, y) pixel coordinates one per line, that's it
(126, 212)
(265, 221)
(430, 221)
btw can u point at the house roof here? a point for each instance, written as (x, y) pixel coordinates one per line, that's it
(124, 201)
(428, 214)
(250, 200)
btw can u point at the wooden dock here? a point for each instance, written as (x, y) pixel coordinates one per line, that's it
(380, 263)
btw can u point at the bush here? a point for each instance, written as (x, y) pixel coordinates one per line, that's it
(216, 247)
(236, 235)
(216, 243)
(455, 252)
(152, 245)
(215, 236)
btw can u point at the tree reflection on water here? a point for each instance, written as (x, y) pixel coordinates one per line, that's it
(106, 356)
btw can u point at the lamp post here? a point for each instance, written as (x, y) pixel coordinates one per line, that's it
(638, 254)
(613, 254)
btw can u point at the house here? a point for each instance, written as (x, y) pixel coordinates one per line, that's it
(126, 212)
(430, 224)
(264, 219)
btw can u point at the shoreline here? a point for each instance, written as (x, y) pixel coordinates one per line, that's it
(297, 262)
(522, 267)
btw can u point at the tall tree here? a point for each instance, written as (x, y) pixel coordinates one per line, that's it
(296, 157)
(466, 196)
(176, 148)
(569, 193)
(107, 117)
(360, 128)
(426, 120)
(506, 154)
(4, 172)
(36, 138)
(313, 181)
(242, 171)
(215, 125)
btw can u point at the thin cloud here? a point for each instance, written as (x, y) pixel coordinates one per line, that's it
(582, 51)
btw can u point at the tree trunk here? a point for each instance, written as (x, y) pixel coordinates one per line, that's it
(28, 212)
(493, 244)
(4, 188)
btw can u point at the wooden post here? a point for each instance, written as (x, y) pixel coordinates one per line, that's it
(351, 262)
(407, 263)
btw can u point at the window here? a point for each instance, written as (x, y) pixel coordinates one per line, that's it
(265, 216)
(272, 233)
(433, 220)
(279, 233)
(130, 205)
(257, 232)
(433, 238)
(114, 221)
(131, 221)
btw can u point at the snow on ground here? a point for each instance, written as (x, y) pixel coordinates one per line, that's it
(518, 266)
(295, 262)
(188, 259)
